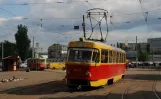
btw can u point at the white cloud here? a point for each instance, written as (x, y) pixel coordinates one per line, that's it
(50, 32)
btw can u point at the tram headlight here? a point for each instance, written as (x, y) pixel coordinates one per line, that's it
(88, 74)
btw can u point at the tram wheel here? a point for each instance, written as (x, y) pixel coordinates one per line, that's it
(110, 82)
(28, 70)
(123, 76)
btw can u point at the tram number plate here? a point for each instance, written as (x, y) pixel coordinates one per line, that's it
(80, 44)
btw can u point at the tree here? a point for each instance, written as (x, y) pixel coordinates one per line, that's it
(121, 46)
(146, 56)
(10, 49)
(143, 55)
(148, 48)
(29, 55)
(22, 41)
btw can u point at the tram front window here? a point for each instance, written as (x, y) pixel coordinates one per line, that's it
(79, 55)
(42, 60)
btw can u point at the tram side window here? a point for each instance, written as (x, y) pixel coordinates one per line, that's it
(117, 58)
(96, 56)
(104, 56)
(110, 56)
(114, 57)
(121, 59)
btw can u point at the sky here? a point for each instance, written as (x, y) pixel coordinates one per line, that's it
(126, 19)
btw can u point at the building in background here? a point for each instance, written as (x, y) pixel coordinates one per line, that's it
(155, 44)
(57, 51)
(131, 55)
(155, 58)
(132, 46)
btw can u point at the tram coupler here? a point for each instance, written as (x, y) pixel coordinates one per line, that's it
(79, 87)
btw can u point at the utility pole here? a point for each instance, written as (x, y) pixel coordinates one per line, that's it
(2, 50)
(84, 29)
(153, 55)
(136, 53)
(33, 52)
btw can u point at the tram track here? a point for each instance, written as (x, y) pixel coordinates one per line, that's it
(126, 91)
(133, 88)
(104, 91)
(154, 87)
(154, 91)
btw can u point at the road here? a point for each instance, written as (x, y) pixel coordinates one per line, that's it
(137, 84)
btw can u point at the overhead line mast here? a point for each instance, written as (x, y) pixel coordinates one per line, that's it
(84, 29)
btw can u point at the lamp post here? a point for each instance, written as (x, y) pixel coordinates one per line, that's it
(2, 50)
(136, 53)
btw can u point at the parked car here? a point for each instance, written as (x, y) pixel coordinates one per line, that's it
(23, 65)
(130, 65)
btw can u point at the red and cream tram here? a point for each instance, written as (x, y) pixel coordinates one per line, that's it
(93, 64)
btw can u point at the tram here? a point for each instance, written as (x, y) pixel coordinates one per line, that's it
(36, 63)
(93, 64)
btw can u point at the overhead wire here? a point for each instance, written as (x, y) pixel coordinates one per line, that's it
(8, 12)
(30, 18)
(137, 12)
(89, 3)
(145, 17)
(29, 3)
(80, 18)
(111, 17)
(53, 2)
(40, 3)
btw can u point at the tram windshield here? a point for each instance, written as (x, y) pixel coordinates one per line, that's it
(80, 55)
(42, 60)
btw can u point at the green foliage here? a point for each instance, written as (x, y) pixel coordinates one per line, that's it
(9, 49)
(29, 55)
(121, 46)
(143, 56)
(22, 41)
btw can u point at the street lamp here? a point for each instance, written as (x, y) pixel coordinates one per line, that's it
(2, 50)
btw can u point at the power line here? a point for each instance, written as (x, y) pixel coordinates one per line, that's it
(34, 3)
(30, 18)
(39, 3)
(89, 3)
(71, 18)
(145, 17)
(136, 12)
(8, 12)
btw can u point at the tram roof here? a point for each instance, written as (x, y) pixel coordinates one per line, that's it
(95, 44)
